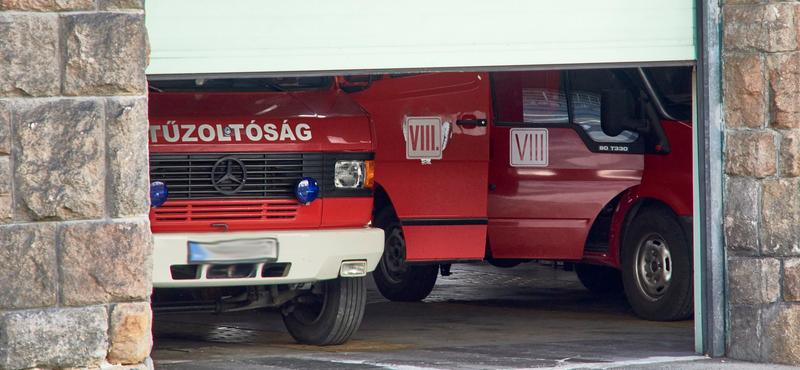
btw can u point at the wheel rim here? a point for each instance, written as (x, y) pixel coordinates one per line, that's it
(653, 266)
(394, 257)
(309, 307)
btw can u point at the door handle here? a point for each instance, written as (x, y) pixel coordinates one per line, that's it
(472, 122)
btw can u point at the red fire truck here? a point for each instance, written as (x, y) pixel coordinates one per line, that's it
(591, 167)
(262, 196)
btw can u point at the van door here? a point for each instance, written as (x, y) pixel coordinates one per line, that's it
(553, 171)
(432, 159)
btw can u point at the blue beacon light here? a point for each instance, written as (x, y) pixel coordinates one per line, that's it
(306, 190)
(158, 193)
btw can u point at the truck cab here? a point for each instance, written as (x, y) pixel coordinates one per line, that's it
(590, 167)
(262, 197)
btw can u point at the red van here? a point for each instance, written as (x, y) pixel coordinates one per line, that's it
(591, 167)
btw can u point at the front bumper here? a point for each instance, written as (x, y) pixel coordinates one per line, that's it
(312, 255)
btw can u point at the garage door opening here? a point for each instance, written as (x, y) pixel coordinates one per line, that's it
(519, 206)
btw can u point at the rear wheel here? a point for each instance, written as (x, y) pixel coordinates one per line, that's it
(600, 280)
(394, 277)
(327, 314)
(657, 267)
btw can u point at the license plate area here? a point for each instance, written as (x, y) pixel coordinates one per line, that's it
(258, 250)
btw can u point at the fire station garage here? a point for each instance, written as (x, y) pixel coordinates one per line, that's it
(533, 173)
(204, 184)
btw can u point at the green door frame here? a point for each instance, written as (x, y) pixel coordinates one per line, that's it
(709, 248)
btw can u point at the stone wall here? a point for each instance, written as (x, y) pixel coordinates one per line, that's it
(74, 237)
(761, 87)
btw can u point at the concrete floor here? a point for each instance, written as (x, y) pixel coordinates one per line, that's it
(481, 317)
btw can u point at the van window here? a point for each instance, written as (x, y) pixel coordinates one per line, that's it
(673, 85)
(535, 97)
(586, 89)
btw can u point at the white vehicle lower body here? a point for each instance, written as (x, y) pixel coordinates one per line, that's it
(316, 277)
(309, 256)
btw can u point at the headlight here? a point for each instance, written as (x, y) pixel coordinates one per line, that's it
(350, 174)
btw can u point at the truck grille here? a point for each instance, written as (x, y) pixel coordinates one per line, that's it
(252, 175)
(230, 210)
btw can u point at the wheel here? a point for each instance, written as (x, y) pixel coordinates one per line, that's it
(657, 267)
(397, 280)
(329, 313)
(600, 280)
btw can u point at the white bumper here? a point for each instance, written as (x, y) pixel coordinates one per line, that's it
(313, 255)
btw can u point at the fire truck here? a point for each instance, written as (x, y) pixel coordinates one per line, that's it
(591, 167)
(262, 196)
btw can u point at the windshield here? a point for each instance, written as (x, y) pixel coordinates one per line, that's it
(674, 88)
(244, 84)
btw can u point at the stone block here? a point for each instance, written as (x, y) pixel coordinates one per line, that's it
(121, 4)
(738, 2)
(6, 209)
(781, 334)
(28, 272)
(30, 42)
(791, 279)
(750, 153)
(5, 174)
(742, 215)
(779, 23)
(780, 212)
(743, 28)
(105, 262)
(5, 127)
(127, 156)
(753, 280)
(53, 338)
(744, 91)
(790, 153)
(59, 158)
(745, 331)
(106, 54)
(46, 5)
(130, 336)
(763, 27)
(784, 82)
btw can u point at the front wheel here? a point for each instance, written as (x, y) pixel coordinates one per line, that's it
(329, 313)
(396, 279)
(657, 267)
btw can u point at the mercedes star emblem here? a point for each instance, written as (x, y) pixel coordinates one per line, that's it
(228, 175)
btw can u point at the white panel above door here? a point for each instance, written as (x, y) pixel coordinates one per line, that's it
(251, 36)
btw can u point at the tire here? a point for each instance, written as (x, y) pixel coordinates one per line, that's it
(657, 267)
(600, 280)
(329, 314)
(397, 280)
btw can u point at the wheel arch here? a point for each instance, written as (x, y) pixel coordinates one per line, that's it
(381, 202)
(631, 205)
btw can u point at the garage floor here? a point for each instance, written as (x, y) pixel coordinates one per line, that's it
(481, 317)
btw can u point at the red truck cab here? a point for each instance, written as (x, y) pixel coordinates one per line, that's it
(591, 167)
(263, 198)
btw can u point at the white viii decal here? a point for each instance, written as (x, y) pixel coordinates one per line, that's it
(528, 147)
(423, 137)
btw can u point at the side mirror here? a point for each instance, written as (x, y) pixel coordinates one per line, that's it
(354, 83)
(618, 113)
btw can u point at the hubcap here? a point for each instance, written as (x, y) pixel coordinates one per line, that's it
(394, 257)
(653, 266)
